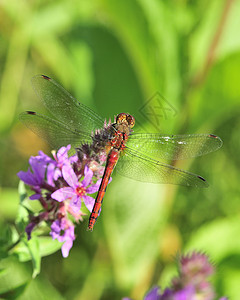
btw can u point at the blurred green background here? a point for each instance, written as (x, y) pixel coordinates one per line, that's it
(114, 56)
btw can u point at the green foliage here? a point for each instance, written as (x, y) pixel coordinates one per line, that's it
(14, 293)
(114, 56)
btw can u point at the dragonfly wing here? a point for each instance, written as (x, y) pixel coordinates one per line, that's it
(174, 147)
(54, 132)
(65, 107)
(139, 167)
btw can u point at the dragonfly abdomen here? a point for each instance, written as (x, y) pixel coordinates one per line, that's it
(111, 163)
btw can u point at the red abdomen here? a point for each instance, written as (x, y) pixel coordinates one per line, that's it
(111, 163)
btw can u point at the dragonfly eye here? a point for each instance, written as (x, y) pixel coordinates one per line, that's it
(131, 121)
(121, 118)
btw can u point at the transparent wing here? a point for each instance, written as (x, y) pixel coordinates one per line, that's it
(174, 146)
(54, 132)
(64, 107)
(139, 167)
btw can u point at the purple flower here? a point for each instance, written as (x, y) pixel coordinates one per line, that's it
(61, 159)
(29, 228)
(187, 293)
(184, 294)
(77, 190)
(35, 220)
(196, 265)
(194, 270)
(35, 175)
(61, 156)
(63, 231)
(55, 166)
(60, 184)
(153, 294)
(44, 157)
(192, 283)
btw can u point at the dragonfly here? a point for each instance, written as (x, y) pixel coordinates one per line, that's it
(138, 156)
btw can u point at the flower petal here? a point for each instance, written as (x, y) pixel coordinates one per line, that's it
(29, 228)
(57, 228)
(75, 203)
(94, 188)
(69, 238)
(73, 158)
(66, 247)
(50, 174)
(44, 158)
(35, 197)
(63, 194)
(57, 174)
(153, 294)
(27, 177)
(89, 202)
(62, 154)
(38, 166)
(88, 174)
(70, 176)
(187, 292)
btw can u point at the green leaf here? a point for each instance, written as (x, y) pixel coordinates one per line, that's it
(22, 191)
(8, 240)
(30, 250)
(35, 249)
(14, 293)
(217, 238)
(48, 245)
(33, 246)
(22, 215)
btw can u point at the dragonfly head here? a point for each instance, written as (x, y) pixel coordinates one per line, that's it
(125, 119)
